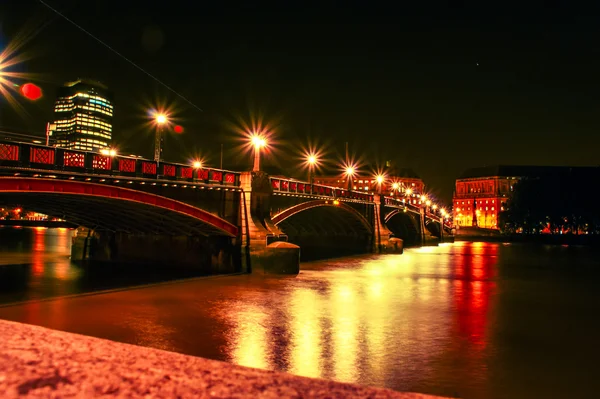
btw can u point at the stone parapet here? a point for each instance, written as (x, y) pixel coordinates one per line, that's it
(36, 362)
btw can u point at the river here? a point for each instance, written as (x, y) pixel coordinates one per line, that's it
(474, 320)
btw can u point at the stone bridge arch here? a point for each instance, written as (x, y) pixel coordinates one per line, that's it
(326, 226)
(111, 208)
(129, 226)
(404, 225)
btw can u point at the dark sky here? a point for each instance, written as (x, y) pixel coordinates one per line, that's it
(438, 90)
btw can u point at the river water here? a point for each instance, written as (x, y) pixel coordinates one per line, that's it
(471, 320)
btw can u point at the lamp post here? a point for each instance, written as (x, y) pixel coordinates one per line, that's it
(379, 179)
(312, 161)
(258, 142)
(350, 171)
(395, 187)
(160, 120)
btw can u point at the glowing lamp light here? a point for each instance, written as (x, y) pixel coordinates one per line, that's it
(336, 202)
(178, 129)
(258, 141)
(408, 191)
(312, 159)
(108, 152)
(197, 164)
(350, 170)
(379, 179)
(395, 186)
(427, 202)
(434, 207)
(161, 119)
(31, 91)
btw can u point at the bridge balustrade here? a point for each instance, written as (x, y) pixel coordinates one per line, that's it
(40, 157)
(280, 185)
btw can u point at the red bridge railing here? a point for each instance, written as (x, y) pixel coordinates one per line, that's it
(281, 185)
(40, 157)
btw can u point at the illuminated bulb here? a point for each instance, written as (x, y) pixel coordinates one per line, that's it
(395, 186)
(161, 119)
(312, 159)
(197, 164)
(408, 191)
(350, 170)
(258, 141)
(379, 179)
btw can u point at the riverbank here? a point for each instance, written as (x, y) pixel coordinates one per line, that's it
(39, 362)
(545, 239)
(36, 223)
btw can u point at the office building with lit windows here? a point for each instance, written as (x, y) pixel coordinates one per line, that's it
(83, 115)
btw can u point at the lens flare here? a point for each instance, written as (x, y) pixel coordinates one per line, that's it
(11, 56)
(31, 92)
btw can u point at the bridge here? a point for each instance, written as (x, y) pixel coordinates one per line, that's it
(133, 209)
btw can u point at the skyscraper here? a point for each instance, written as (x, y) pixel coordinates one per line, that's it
(83, 115)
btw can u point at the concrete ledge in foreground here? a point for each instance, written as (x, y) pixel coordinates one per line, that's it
(36, 362)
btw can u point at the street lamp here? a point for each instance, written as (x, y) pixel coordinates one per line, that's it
(258, 142)
(197, 164)
(312, 161)
(108, 152)
(160, 119)
(349, 171)
(380, 179)
(395, 187)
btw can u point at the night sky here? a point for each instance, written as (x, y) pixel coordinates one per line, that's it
(438, 90)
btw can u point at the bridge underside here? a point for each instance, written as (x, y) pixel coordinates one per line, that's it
(324, 231)
(433, 227)
(405, 225)
(110, 214)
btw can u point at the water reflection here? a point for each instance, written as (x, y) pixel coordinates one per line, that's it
(35, 263)
(306, 346)
(443, 320)
(249, 338)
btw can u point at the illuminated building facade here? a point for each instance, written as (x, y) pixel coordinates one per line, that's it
(482, 193)
(83, 115)
(403, 183)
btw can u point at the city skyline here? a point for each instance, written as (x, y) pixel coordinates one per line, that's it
(424, 91)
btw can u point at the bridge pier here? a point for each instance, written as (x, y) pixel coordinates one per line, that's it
(384, 242)
(211, 255)
(265, 249)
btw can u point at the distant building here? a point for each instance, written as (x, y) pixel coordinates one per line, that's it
(83, 115)
(482, 193)
(402, 182)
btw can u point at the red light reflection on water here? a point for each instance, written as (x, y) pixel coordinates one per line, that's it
(473, 287)
(39, 246)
